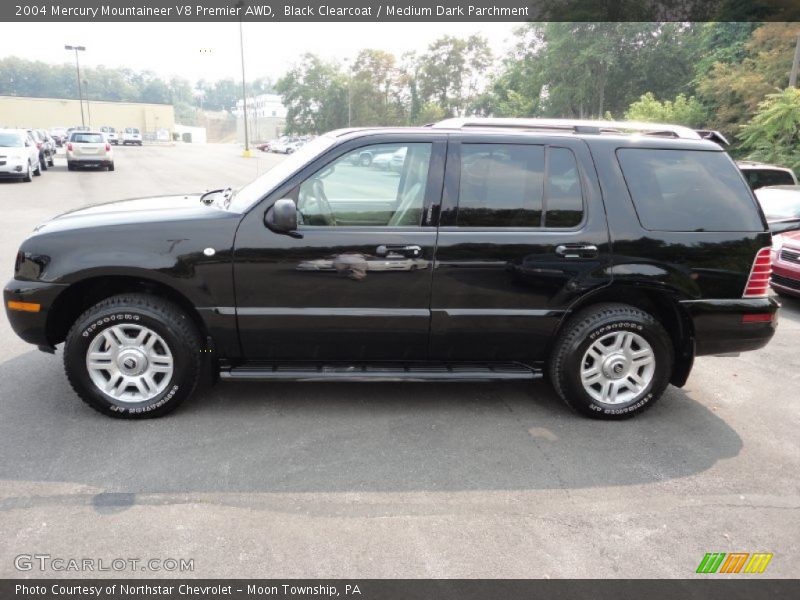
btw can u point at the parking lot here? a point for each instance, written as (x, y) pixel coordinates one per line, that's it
(385, 480)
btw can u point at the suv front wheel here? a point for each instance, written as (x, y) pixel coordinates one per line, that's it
(611, 361)
(133, 356)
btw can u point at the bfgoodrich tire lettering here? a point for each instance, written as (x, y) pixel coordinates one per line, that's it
(600, 322)
(138, 312)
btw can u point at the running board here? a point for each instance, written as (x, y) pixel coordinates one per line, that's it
(378, 372)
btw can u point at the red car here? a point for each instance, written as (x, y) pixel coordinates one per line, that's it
(786, 264)
(781, 205)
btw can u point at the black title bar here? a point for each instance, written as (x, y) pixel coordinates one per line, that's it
(401, 11)
(394, 589)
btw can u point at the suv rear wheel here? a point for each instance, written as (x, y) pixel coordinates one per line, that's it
(133, 356)
(612, 361)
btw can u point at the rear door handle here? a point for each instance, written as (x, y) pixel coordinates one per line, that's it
(407, 251)
(577, 250)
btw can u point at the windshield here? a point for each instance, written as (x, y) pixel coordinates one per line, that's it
(258, 188)
(780, 204)
(11, 140)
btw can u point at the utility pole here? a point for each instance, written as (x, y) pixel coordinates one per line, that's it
(246, 152)
(78, 67)
(88, 107)
(795, 64)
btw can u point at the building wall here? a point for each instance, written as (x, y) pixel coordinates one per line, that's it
(266, 118)
(45, 113)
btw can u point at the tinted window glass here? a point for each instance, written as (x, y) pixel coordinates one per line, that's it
(564, 204)
(10, 140)
(87, 138)
(381, 185)
(502, 185)
(758, 178)
(688, 190)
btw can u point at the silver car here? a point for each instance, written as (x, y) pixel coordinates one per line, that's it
(89, 149)
(19, 156)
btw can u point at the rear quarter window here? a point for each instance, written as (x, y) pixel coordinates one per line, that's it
(688, 190)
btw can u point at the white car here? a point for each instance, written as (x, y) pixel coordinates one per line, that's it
(111, 134)
(19, 156)
(759, 175)
(89, 149)
(131, 135)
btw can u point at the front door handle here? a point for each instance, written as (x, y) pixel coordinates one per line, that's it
(407, 251)
(577, 250)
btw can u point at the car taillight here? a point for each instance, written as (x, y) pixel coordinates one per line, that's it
(69, 146)
(108, 147)
(758, 282)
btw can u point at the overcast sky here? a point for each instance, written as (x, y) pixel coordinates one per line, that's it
(211, 50)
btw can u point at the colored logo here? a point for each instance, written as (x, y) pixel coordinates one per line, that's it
(734, 562)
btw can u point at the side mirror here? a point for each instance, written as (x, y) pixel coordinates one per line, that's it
(27, 143)
(282, 218)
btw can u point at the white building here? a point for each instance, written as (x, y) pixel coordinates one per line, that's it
(266, 118)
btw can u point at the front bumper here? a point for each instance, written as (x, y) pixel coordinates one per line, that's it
(13, 169)
(785, 276)
(31, 326)
(719, 327)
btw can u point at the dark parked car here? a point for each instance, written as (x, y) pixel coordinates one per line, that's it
(504, 249)
(46, 146)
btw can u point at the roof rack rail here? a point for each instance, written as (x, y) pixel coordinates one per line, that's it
(571, 125)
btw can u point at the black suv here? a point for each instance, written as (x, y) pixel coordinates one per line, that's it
(472, 250)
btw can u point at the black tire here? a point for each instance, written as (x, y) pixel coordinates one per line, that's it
(70, 166)
(37, 171)
(28, 177)
(160, 316)
(111, 167)
(582, 331)
(51, 162)
(43, 163)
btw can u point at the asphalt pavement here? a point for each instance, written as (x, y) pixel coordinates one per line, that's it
(385, 480)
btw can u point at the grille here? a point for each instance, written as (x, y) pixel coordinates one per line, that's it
(786, 282)
(790, 255)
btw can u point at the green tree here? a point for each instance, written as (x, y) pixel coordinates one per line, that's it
(315, 95)
(733, 91)
(451, 70)
(773, 135)
(681, 111)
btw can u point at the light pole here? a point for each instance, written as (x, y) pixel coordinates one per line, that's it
(78, 67)
(88, 107)
(246, 152)
(349, 93)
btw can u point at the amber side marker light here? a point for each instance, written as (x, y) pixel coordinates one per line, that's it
(24, 306)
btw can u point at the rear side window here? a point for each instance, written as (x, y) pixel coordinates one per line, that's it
(688, 190)
(518, 185)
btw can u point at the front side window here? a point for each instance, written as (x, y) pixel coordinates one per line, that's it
(381, 185)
